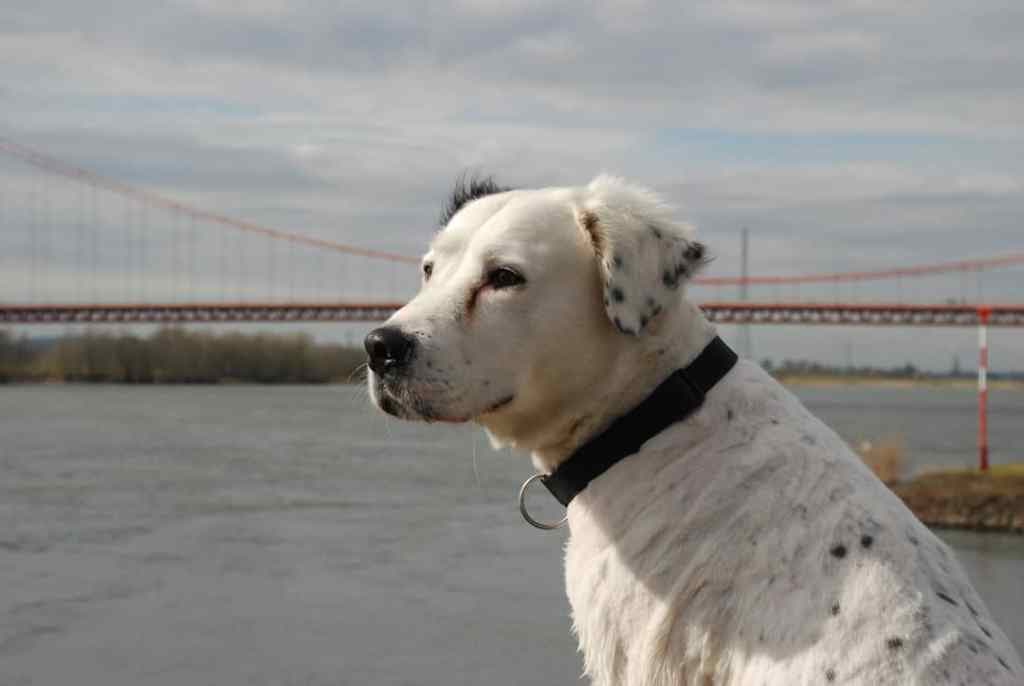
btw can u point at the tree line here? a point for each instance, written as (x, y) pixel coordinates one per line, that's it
(795, 368)
(174, 355)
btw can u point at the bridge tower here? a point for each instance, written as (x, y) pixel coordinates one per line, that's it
(746, 344)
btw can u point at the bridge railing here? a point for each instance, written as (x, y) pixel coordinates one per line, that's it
(723, 312)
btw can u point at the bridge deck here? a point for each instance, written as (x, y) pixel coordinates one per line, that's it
(723, 312)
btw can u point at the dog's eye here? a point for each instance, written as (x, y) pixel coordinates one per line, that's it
(428, 269)
(504, 277)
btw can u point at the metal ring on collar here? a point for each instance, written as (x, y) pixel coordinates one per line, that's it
(526, 515)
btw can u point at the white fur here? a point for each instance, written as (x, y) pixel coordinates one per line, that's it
(744, 545)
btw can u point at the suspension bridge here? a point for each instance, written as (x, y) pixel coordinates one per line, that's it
(78, 247)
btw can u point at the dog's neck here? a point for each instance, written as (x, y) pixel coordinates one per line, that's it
(630, 378)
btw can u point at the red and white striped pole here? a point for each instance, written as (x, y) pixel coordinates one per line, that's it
(983, 313)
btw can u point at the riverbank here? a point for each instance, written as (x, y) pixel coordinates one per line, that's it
(968, 498)
(939, 383)
(177, 356)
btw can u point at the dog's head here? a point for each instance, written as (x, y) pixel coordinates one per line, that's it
(528, 296)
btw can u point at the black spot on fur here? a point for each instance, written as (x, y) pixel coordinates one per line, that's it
(651, 302)
(669, 279)
(617, 261)
(894, 643)
(808, 439)
(1003, 663)
(839, 551)
(866, 540)
(830, 675)
(695, 252)
(945, 597)
(643, 322)
(467, 190)
(729, 414)
(587, 221)
(617, 295)
(655, 230)
(835, 609)
(774, 421)
(913, 539)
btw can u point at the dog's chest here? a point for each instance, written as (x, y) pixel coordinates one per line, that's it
(652, 571)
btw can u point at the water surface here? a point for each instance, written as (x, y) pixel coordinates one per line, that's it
(289, 535)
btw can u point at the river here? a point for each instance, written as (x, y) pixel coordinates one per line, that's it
(291, 535)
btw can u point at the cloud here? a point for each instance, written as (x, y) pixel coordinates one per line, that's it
(844, 134)
(846, 66)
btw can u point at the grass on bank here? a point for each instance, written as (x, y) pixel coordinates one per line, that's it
(876, 381)
(887, 459)
(1001, 480)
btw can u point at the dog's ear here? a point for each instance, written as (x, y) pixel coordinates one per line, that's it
(643, 255)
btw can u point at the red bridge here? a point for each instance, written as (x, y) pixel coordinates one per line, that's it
(867, 314)
(129, 255)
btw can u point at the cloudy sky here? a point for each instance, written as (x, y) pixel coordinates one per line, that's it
(846, 135)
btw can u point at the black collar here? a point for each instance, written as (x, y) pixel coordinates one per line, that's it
(674, 400)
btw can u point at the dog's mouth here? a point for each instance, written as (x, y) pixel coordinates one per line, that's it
(403, 403)
(507, 400)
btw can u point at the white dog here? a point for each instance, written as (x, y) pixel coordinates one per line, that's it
(744, 544)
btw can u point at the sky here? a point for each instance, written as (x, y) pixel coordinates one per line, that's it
(844, 135)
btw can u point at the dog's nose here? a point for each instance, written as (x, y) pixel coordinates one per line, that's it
(388, 348)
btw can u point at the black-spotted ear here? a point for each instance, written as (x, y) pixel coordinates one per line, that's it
(643, 257)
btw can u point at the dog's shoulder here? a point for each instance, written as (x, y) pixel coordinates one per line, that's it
(753, 532)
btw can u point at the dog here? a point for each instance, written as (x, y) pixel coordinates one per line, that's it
(744, 544)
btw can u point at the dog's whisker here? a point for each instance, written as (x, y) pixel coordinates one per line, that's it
(476, 472)
(360, 369)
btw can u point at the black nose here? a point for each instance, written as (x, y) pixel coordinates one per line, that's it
(388, 348)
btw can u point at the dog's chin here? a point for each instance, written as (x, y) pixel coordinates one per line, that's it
(389, 405)
(404, 404)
